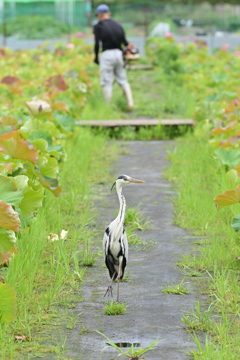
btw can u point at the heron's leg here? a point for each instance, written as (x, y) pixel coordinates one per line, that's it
(118, 278)
(109, 288)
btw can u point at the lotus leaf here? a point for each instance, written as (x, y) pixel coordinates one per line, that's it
(227, 198)
(48, 165)
(56, 82)
(233, 177)
(31, 201)
(236, 223)
(8, 120)
(231, 158)
(7, 241)
(40, 144)
(223, 130)
(15, 146)
(9, 218)
(32, 125)
(7, 303)
(60, 106)
(51, 184)
(9, 192)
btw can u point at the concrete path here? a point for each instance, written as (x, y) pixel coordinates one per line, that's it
(214, 42)
(151, 313)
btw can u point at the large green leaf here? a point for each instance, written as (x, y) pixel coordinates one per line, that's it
(7, 244)
(51, 184)
(40, 144)
(8, 120)
(230, 158)
(229, 197)
(32, 199)
(48, 165)
(9, 192)
(7, 240)
(9, 218)
(4, 257)
(15, 146)
(7, 303)
(36, 125)
(236, 223)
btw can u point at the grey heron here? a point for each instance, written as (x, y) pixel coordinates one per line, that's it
(115, 244)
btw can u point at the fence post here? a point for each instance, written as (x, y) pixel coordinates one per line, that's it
(146, 18)
(4, 25)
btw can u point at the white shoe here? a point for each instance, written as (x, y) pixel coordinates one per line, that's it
(128, 94)
(107, 93)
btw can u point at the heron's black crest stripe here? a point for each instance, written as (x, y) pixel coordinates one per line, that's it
(113, 185)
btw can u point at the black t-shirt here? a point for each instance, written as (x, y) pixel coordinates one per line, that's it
(111, 34)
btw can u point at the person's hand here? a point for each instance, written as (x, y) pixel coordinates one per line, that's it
(96, 61)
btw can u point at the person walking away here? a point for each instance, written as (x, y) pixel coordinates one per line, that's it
(111, 36)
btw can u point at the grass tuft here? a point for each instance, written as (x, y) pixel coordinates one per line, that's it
(179, 289)
(198, 320)
(135, 219)
(115, 308)
(199, 179)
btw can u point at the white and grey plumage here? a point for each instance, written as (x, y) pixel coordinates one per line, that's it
(115, 244)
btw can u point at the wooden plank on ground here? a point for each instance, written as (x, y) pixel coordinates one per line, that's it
(135, 122)
(139, 67)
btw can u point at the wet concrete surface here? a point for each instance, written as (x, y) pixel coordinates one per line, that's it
(151, 314)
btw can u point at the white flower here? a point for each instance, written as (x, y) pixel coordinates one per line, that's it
(37, 106)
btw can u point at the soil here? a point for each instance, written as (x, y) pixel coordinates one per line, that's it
(151, 313)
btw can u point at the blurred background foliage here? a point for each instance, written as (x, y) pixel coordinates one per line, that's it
(53, 19)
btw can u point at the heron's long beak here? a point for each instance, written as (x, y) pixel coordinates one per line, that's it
(136, 181)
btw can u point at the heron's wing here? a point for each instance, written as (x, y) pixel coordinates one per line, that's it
(106, 240)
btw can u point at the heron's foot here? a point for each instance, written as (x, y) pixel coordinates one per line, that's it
(109, 291)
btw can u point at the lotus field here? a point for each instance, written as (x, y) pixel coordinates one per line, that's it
(42, 94)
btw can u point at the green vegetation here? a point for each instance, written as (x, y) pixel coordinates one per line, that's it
(37, 27)
(166, 98)
(52, 268)
(135, 219)
(47, 240)
(179, 289)
(115, 308)
(133, 352)
(37, 115)
(199, 179)
(135, 222)
(198, 320)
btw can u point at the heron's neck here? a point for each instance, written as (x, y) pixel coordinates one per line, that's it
(122, 203)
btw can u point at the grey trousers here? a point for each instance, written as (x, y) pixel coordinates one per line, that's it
(112, 68)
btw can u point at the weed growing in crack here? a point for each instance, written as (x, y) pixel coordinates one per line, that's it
(135, 219)
(198, 320)
(133, 238)
(72, 321)
(192, 272)
(115, 308)
(133, 352)
(179, 289)
(225, 289)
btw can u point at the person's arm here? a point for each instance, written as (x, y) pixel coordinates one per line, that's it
(124, 40)
(96, 45)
